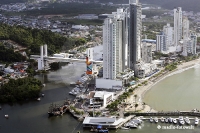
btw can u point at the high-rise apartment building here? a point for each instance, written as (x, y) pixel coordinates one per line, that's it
(194, 43)
(114, 44)
(186, 26)
(146, 52)
(177, 25)
(135, 27)
(161, 42)
(168, 31)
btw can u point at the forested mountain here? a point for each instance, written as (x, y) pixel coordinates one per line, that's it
(188, 5)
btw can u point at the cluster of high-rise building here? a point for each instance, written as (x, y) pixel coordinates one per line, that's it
(178, 38)
(122, 45)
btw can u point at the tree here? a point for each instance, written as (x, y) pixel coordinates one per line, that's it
(135, 97)
(136, 105)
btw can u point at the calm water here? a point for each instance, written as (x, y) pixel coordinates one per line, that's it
(32, 117)
(177, 92)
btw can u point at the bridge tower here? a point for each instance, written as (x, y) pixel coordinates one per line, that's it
(43, 53)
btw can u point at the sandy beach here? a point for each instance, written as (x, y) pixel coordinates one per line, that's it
(140, 91)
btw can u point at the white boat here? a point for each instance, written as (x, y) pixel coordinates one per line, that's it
(162, 119)
(166, 120)
(174, 120)
(125, 128)
(181, 120)
(187, 120)
(151, 119)
(196, 122)
(38, 99)
(6, 116)
(133, 125)
(137, 121)
(156, 120)
(170, 119)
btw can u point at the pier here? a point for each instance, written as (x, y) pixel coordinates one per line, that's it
(175, 113)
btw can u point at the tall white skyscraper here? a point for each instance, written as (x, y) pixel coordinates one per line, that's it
(177, 25)
(133, 1)
(114, 44)
(135, 28)
(186, 26)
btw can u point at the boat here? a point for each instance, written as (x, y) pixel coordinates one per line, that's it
(38, 99)
(166, 120)
(42, 94)
(156, 120)
(137, 121)
(151, 119)
(133, 125)
(174, 120)
(187, 120)
(125, 128)
(6, 116)
(162, 119)
(170, 119)
(181, 121)
(196, 122)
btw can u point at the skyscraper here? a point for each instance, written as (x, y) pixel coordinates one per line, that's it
(135, 26)
(114, 40)
(185, 28)
(177, 25)
(168, 31)
(161, 42)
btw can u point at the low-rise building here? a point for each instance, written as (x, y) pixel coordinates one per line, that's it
(100, 98)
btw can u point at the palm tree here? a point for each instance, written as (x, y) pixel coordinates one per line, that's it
(136, 105)
(135, 97)
(143, 104)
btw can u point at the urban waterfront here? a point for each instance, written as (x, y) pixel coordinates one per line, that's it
(32, 116)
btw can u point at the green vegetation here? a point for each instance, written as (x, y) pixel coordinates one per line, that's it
(157, 55)
(67, 9)
(82, 21)
(171, 67)
(33, 38)
(54, 66)
(8, 55)
(198, 39)
(20, 90)
(76, 111)
(153, 12)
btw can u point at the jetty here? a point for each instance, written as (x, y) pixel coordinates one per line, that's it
(173, 113)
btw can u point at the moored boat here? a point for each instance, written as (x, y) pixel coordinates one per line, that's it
(170, 119)
(151, 119)
(187, 120)
(181, 120)
(125, 128)
(166, 120)
(156, 120)
(196, 122)
(174, 120)
(162, 119)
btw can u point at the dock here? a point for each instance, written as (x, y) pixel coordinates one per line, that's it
(175, 113)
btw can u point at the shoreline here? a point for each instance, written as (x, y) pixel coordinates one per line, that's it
(141, 91)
